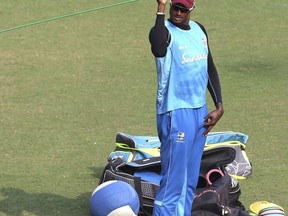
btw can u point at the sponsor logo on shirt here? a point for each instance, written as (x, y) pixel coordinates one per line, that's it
(197, 57)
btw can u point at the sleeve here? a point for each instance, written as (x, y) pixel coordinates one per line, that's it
(159, 37)
(214, 86)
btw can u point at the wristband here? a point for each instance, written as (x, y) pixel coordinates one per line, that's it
(160, 13)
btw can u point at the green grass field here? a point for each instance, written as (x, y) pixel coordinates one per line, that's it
(67, 86)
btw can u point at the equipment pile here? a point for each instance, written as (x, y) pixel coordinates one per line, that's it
(136, 161)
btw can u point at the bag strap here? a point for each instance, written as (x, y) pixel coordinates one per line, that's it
(229, 143)
(151, 151)
(137, 184)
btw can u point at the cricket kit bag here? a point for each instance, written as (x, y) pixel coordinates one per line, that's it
(217, 192)
(240, 167)
(143, 175)
(130, 148)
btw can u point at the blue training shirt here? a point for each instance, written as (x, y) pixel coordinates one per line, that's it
(183, 71)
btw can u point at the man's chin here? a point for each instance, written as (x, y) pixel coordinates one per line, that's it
(177, 20)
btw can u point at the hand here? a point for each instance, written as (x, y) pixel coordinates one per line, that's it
(212, 118)
(161, 5)
(164, 2)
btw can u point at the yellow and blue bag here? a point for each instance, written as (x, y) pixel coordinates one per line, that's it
(130, 148)
(241, 167)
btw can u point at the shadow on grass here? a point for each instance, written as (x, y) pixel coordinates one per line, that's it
(17, 202)
(97, 171)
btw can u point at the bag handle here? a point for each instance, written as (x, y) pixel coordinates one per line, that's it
(151, 151)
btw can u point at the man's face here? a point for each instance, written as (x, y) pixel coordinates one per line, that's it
(179, 14)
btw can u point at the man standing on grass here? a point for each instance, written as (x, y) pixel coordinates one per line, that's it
(185, 70)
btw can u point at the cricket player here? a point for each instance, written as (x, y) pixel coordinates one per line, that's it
(185, 71)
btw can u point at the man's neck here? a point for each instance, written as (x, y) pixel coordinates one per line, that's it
(180, 25)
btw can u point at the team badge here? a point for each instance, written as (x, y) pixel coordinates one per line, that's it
(204, 41)
(180, 137)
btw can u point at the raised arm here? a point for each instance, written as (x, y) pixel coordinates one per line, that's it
(159, 35)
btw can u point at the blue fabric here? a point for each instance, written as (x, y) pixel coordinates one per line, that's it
(183, 73)
(226, 136)
(180, 132)
(149, 176)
